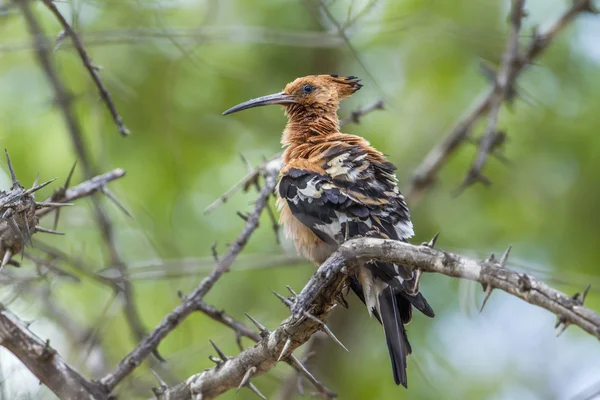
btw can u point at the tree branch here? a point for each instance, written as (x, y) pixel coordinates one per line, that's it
(425, 174)
(273, 347)
(318, 296)
(189, 302)
(89, 65)
(488, 273)
(64, 100)
(242, 330)
(44, 362)
(502, 87)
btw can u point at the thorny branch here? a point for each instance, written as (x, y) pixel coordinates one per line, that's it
(502, 87)
(273, 347)
(312, 306)
(425, 174)
(43, 360)
(64, 100)
(317, 298)
(189, 302)
(242, 330)
(426, 259)
(89, 65)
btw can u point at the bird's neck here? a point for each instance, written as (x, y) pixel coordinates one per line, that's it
(309, 125)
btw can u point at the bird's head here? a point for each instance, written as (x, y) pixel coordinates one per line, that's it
(315, 93)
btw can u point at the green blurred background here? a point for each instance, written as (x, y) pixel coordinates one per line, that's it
(174, 66)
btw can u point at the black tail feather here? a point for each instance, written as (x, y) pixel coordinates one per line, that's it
(418, 301)
(395, 334)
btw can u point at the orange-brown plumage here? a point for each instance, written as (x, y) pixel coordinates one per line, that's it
(335, 186)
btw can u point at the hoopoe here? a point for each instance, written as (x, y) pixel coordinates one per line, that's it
(335, 186)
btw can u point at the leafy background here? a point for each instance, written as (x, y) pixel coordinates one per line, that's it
(174, 66)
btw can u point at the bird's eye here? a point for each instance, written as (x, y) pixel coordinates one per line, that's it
(307, 89)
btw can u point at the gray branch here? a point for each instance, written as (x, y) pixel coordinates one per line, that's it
(189, 303)
(489, 273)
(44, 362)
(426, 173)
(317, 299)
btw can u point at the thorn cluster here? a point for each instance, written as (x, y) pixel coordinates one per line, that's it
(578, 299)
(18, 216)
(487, 288)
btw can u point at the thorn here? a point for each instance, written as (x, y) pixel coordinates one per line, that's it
(255, 390)
(161, 382)
(37, 179)
(56, 217)
(431, 243)
(52, 204)
(238, 340)
(242, 216)
(68, 181)
(285, 349)
(504, 257)
(13, 175)
(585, 292)
(524, 283)
(579, 299)
(47, 352)
(27, 230)
(284, 300)
(46, 230)
(215, 360)
(16, 228)
(263, 330)
(5, 259)
(300, 365)
(114, 199)
(213, 248)
(247, 163)
(291, 290)
(486, 295)
(181, 295)
(38, 187)
(492, 259)
(219, 351)
(328, 332)
(60, 38)
(246, 378)
(563, 328)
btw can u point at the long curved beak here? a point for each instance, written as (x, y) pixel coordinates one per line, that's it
(277, 98)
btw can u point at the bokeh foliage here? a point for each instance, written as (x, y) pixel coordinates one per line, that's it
(174, 66)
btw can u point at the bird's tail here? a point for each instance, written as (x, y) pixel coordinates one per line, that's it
(393, 303)
(391, 315)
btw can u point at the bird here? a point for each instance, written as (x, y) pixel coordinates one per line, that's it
(335, 186)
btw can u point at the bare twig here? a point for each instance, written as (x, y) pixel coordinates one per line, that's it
(207, 34)
(356, 115)
(63, 99)
(84, 189)
(89, 65)
(189, 302)
(44, 362)
(502, 86)
(425, 174)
